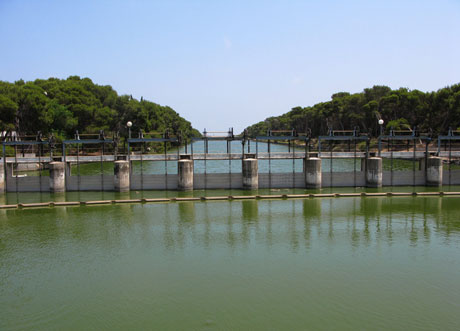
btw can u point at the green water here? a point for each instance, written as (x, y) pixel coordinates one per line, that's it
(342, 263)
(30, 197)
(225, 166)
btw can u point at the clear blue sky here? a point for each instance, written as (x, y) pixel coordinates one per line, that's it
(232, 63)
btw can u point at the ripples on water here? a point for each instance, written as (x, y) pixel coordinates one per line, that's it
(344, 263)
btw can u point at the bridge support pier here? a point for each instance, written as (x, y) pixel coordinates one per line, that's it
(250, 174)
(185, 177)
(2, 178)
(374, 172)
(57, 176)
(121, 176)
(434, 171)
(312, 172)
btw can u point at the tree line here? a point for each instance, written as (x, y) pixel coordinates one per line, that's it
(401, 109)
(62, 106)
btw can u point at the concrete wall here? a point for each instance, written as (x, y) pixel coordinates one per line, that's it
(454, 177)
(344, 179)
(296, 180)
(403, 178)
(28, 184)
(90, 183)
(281, 180)
(221, 181)
(153, 182)
(218, 181)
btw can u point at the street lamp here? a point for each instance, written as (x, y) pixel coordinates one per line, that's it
(381, 126)
(380, 137)
(129, 124)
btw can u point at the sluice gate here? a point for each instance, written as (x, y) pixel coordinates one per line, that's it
(166, 162)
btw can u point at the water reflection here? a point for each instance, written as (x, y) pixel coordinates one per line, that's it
(243, 224)
(312, 208)
(3, 201)
(186, 211)
(250, 210)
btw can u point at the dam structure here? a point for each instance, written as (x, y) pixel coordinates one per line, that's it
(221, 160)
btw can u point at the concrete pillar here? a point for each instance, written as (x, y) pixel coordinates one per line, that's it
(374, 173)
(185, 178)
(57, 176)
(312, 172)
(2, 177)
(121, 176)
(250, 174)
(434, 171)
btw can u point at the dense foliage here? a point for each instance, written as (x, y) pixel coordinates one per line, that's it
(63, 106)
(400, 109)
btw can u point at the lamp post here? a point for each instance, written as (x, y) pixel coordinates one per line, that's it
(381, 126)
(380, 138)
(129, 124)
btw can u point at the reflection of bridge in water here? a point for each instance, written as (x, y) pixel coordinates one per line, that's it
(277, 160)
(294, 224)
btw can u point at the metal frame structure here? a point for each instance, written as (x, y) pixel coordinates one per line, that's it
(78, 141)
(401, 135)
(449, 138)
(292, 137)
(344, 136)
(396, 141)
(143, 140)
(227, 136)
(15, 142)
(271, 135)
(217, 136)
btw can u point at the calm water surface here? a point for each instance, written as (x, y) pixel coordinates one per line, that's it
(343, 263)
(221, 166)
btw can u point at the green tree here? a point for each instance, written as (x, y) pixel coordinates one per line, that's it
(8, 109)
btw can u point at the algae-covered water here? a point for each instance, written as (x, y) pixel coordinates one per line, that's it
(340, 263)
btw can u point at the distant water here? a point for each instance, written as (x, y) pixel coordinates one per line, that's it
(328, 264)
(222, 166)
